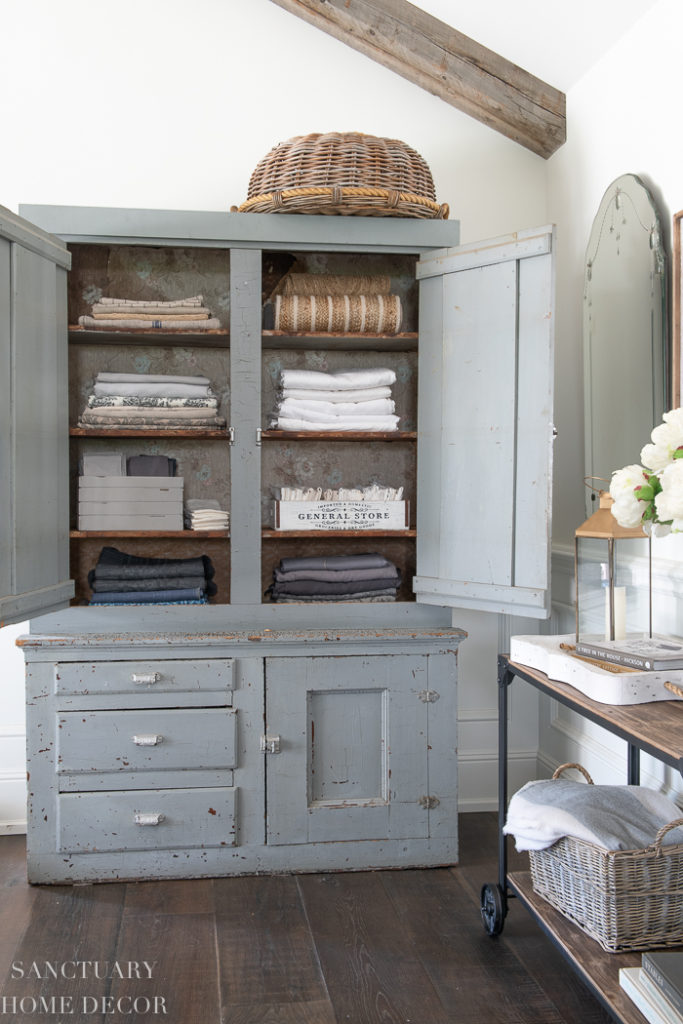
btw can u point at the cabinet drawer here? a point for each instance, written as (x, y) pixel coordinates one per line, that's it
(116, 677)
(159, 739)
(163, 819)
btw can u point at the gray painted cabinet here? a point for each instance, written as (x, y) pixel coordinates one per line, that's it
(245, 735)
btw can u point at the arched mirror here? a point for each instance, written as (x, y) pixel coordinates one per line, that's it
(626, 364)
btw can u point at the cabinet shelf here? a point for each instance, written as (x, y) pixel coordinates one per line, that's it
(152, 534)
(404, 342)
(326, 534)
(338, 435)
(145, 336)
(202, 435)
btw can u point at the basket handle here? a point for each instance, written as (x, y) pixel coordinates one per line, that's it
(572, 764)
(662, 832)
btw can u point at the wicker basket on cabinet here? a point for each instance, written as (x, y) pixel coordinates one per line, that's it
(343, 173)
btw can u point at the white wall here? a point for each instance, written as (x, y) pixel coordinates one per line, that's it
(622, 118)
(167, 104)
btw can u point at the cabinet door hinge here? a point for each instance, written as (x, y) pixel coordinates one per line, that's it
(428, 696)
(429, 802)
(270, 745)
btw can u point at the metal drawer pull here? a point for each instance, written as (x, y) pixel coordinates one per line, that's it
(151, 739)
(146, 680)
(148, 818)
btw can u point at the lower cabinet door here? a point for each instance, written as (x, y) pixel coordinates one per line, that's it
(351, 739)
(163, 819)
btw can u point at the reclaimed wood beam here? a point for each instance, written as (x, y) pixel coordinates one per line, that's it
(450, 65)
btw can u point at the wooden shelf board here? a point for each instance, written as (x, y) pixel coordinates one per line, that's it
(199, 434)
(597, 968)
(152, 534)
(338, 435)
(325, 534)
(406, 341)
(145, 336)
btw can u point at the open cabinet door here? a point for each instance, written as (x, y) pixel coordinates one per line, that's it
(34, 468)
(485, 430)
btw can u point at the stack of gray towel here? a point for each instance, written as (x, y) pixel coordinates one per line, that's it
(364, 577)
(151, 401)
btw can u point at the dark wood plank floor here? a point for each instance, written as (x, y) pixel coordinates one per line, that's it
(384, 947)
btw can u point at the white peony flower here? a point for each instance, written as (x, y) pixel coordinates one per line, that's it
(669, 501)
(624, 482)
(666, 438)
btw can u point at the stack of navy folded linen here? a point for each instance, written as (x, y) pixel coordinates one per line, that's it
(365, 577)
(120, 578)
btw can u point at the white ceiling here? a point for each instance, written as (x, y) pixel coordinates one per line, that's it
(556, 41)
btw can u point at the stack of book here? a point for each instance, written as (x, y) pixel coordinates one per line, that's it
(656, 987)
(643, 653)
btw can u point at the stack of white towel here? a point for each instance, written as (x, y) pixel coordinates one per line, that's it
(344, 400)
(205, 514)
(110, 314)
(150, 401)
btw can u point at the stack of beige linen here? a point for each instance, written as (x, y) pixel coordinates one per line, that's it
(134, 314)
(151, 401)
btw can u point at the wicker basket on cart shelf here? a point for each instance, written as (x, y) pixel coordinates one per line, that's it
(625, 899)
(343, 173)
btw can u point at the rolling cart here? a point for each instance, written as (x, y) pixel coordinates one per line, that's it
(657, 729)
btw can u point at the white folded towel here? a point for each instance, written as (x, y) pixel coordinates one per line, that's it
(323, 412)
(367, 423)
(341, 380)
(347, 395)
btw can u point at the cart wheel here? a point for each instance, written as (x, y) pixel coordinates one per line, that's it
(493, 908)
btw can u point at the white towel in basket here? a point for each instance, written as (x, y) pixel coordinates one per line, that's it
(612, 817)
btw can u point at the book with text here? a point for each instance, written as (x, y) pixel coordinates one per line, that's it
(665, 970)
(649, 653)
(651, 1003)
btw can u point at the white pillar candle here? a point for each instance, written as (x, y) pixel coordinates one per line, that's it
(619, 613)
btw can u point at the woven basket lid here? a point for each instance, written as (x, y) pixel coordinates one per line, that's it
(343, 173)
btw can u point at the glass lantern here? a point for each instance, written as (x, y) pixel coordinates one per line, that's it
(613, 574)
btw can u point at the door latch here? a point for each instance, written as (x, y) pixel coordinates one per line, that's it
(429, 696)
(429, 802)
(270, 745)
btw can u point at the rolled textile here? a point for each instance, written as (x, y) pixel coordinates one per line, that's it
(314, 410)
(371, 424)
(371, 560)
(331, 395)
(339, 314)
(340, 380)
(335, 284)
(135, 323)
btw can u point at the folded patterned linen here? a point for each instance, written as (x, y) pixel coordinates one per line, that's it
(611, 817)
(369, 560)
(92, 419)
(109, 377)
(148, 596)
(339, 314)
(329, 411)
(347, 395)
(100, 310)
(292, 587)
(157, 583)
(376, 595)
(335, 284)
(135, 323)
(123, 389)
(368, 423)
(180, 318)
(192, 300)
(340, 380)
(112, 563)
(388, 573)
(159, 412)
(150, 402)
